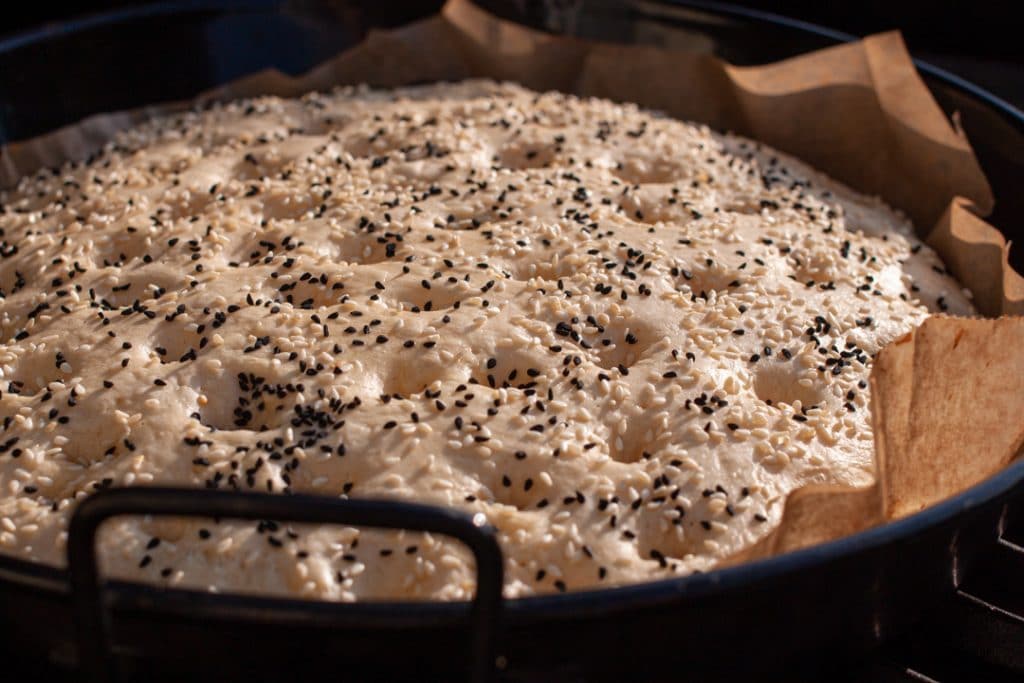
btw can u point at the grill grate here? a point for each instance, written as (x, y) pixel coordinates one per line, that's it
(977, 634)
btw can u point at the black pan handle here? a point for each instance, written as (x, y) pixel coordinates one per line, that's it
(93, 620)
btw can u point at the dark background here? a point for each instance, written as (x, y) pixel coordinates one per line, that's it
(980, 40)
(985, 28)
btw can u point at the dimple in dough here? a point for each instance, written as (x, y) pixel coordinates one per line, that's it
(621, 337)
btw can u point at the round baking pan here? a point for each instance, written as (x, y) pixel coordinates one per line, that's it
(846, 595)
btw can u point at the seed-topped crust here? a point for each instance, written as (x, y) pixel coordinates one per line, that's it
(622, 338)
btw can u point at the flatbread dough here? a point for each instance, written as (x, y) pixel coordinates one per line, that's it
(622, 338)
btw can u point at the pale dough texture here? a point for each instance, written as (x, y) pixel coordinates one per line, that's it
(622, 338)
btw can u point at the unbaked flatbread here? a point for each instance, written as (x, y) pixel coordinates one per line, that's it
(622, 338)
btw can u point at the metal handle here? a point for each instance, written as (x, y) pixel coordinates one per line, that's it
(93, 621)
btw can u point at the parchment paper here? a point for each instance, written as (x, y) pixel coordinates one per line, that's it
(858, 111)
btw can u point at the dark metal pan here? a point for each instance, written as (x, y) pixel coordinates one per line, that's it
(845, 596)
